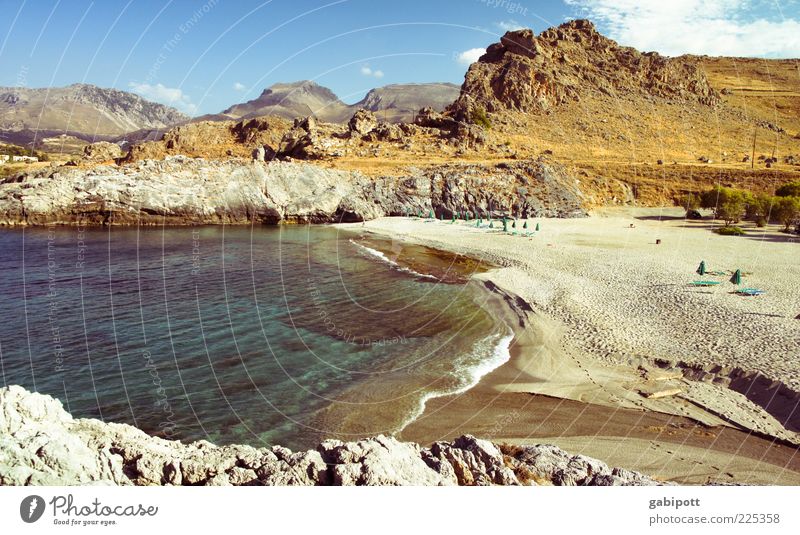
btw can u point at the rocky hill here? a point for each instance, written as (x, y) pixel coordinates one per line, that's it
(80, 110)
(394, 103)
(401, 102)
(42, 444)
(528, 73)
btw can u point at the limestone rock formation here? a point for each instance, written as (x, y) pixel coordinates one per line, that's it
(362, 123)
(529, 73)
(181, 190)
(42, 444)
(102, 151)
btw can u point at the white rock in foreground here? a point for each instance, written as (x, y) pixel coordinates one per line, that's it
(41, 444)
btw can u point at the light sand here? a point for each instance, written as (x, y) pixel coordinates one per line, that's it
(607, 303)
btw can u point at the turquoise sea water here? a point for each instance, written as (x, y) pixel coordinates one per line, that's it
(240, 335)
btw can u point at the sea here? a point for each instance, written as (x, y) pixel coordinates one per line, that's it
(257, 335)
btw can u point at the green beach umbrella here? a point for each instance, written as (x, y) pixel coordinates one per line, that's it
(701, 269)
(525, 225)
(505, 225)
(514, 224)
(537, 227)
(430, 215)
(737, 277)
(477, 222)
(441, 216)
(491, 223)
(453, 220)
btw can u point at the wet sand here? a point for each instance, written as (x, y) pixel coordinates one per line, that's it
(591, 382)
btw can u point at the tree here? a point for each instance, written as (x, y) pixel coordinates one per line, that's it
(728, 204)
(759, 209)
(690, 201)
(786, 211)
(792, 189)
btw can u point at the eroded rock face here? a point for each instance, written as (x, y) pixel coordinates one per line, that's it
(181, 190)
(528, 73)
(41, 444)
(362, 123)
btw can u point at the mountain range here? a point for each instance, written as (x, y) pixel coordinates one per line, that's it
(51, 117)
(393, 103)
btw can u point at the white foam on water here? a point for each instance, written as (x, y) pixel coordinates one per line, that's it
(382, 257)
(470, 373)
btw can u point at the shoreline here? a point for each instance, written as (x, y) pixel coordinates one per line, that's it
(544, 365)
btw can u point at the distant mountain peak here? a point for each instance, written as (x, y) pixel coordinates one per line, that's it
(306, 97)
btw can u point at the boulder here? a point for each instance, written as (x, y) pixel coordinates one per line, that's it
(102, 151)
(362, 123)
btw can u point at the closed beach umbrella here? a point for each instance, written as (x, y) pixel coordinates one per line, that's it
(537, 227)
(430, 215)
(737, 277)
(701, 269)
(505, 225)
(514, 224)
(453, 220)
(525, 224)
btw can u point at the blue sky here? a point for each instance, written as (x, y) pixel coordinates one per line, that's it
(204, 55)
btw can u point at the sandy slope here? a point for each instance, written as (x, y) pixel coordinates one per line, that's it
(608, 302)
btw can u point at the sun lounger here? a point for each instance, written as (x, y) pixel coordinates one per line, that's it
(704, 283)
(750, 291)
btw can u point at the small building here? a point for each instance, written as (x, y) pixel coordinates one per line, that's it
(25, 159)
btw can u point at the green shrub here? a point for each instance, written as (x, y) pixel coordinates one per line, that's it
(786, 211)
(480, 118)
(792, 189)
(729, 231)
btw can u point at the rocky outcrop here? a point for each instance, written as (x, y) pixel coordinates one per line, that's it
(102, 151)
(362, 123)
(42, 444)
(529, 73)
(181, 190)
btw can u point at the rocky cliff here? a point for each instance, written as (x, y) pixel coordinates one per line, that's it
(42, 444)
(528, 73)
(181, 190)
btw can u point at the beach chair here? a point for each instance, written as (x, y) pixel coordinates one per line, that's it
(749, 292)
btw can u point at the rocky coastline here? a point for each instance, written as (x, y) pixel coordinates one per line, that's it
(183, 191)
(42, 444)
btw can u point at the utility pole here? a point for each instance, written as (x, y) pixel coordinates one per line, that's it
(753, 159)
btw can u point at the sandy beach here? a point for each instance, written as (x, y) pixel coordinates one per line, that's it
(617, 356)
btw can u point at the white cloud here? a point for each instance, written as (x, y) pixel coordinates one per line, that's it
(171, 96)
(367, 71)
(468, 57)
(713, 27)
(509, 25)
(238, 86)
